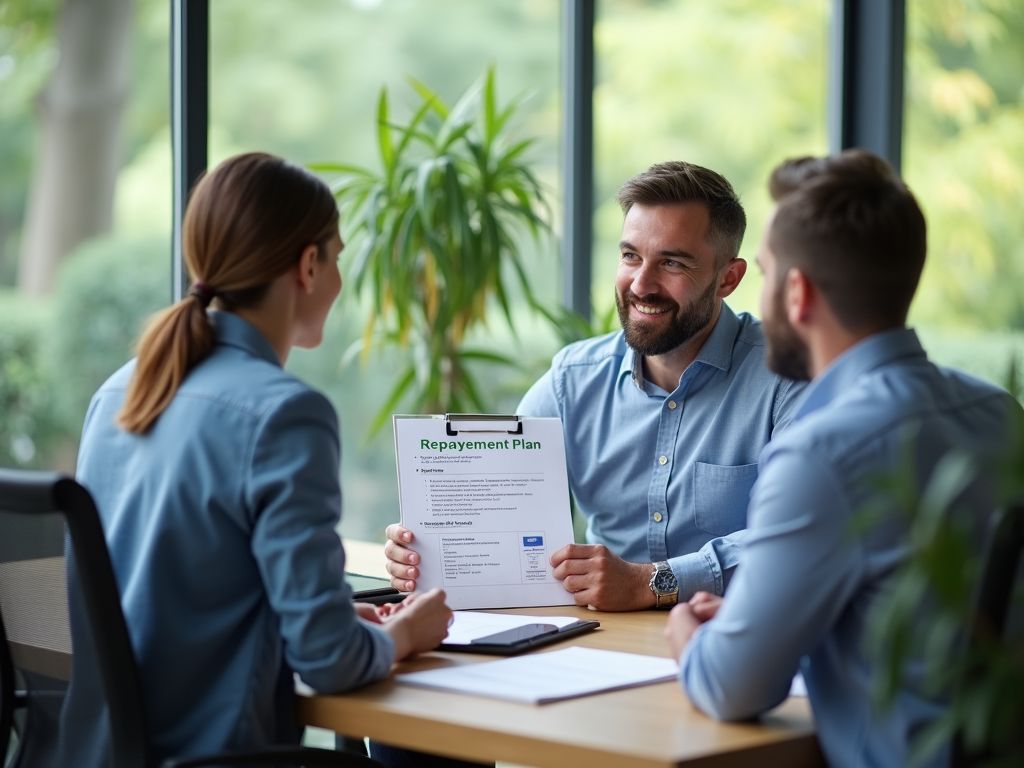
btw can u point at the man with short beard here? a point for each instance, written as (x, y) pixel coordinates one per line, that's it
(842, 255)
(665, 419)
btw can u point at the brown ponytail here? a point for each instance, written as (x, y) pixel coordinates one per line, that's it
(246, 223)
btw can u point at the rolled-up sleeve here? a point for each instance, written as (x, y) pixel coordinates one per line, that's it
(295, 497)
(799, 568)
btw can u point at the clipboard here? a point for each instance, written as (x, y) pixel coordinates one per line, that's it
(478, 423)
(505, 643)
(487, 498)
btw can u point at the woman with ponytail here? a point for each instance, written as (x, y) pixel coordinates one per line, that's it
(216, 476)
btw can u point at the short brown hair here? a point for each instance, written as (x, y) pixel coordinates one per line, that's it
(853, 227)
(677, 182)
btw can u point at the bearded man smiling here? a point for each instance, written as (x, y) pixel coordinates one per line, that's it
(664, 420)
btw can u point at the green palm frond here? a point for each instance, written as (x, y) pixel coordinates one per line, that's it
(433, 234)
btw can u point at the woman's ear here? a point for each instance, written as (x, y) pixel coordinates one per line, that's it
(306, 268)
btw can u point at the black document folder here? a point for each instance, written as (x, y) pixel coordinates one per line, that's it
(373, 589)
(512, 641)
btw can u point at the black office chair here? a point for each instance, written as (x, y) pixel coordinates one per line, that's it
(52, 546)
(991, 604)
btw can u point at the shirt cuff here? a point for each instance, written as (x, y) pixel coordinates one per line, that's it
(691, 672)
(697, 572)
(383, 649)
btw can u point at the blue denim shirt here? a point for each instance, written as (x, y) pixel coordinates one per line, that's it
(809, 581)
(221, 526)
(667, 475)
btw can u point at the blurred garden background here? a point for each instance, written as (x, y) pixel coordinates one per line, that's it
(736, 85)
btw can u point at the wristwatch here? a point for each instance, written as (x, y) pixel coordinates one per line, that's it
(664, 586)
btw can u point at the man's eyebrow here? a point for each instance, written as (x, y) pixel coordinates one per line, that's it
(671, 253)
(674, 253)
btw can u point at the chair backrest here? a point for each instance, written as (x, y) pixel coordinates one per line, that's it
(999, 571)
(55, 573)
(992, 600)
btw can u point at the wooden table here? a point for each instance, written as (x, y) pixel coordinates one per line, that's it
(652, 726)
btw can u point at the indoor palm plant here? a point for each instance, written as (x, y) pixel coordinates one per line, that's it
(434, 237)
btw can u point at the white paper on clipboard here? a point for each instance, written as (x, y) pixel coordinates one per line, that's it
(487, 499)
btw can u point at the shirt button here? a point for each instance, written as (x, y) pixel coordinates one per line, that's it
(657, 517)
(663, 460)
(671, 405)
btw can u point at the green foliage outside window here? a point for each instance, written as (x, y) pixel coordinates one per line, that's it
(55, 353)
(964, 158)
(104, 293)
(27, 427)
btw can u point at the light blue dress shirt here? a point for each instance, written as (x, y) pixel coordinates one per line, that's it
(809, 581)
(221, 526)
(667, 475)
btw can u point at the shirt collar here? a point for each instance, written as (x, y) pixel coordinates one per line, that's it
(231, 330)
(716, 352)
(873, 352)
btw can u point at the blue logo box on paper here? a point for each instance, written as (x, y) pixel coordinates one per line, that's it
(533, 541)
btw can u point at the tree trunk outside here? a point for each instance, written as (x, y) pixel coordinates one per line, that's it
(80, 110)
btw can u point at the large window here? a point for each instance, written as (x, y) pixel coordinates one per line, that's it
(302, 81)
(85, 137)
(734, 86)
(964, 158)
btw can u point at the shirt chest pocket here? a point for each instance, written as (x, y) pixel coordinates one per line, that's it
(721, 495)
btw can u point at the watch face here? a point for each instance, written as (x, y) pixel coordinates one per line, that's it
(665, 582)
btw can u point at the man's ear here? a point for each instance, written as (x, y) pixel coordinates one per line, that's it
(729, 277)
(305, 269)
(799, 297)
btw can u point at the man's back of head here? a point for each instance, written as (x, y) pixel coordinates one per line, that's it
(850, 224)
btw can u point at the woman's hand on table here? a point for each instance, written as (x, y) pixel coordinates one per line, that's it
(368, 612)
(417, 624)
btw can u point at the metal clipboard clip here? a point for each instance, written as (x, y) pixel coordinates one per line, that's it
(482, 422)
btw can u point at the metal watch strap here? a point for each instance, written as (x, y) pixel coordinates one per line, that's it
(666, 601)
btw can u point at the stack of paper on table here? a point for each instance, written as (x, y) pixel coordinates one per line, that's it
(542, 677)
